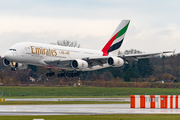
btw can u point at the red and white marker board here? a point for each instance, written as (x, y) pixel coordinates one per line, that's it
(155, 101)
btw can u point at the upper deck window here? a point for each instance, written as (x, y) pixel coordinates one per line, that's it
(12, 49)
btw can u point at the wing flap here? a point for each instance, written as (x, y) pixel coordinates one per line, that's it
(63, 64)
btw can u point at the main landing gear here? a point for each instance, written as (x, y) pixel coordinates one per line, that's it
(63, 74)
(68, 74)
(50, 73)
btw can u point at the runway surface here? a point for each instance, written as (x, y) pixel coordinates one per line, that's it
(70, 99)
(79, 109)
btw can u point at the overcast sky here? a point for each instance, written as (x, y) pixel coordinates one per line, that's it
(154, 26)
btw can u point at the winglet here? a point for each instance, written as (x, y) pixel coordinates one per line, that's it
(169, 51)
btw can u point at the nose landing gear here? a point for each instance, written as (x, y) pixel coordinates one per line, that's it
(13, 69)
(14, 66)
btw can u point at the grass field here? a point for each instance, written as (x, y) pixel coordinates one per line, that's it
(59, 102)
(48, 92)
(95, 117)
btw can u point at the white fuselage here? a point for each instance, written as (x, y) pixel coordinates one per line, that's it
(36, 53)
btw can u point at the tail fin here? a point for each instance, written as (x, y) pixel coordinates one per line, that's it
(116, 39)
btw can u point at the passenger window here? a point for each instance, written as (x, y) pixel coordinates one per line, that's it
(149, 99)
(153, 99)
(156, 99)
(146, 99)
(161, 98)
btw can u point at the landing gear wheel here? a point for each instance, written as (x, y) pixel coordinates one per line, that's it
(47, 74)
(63, 75)
(72, 75)
(13, 69)
(78, 73)
(68, 74)
(50, 74)
(59, 75)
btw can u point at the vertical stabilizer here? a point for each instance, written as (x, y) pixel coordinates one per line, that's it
(116, 39)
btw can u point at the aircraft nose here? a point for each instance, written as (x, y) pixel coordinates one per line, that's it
(8, 55)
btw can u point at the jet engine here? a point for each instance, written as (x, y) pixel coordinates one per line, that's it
(6, 62)
(115, 61)
(14, 65)
(21, 66)
(79, 64)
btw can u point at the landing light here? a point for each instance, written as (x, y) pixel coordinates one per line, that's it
(14, 63)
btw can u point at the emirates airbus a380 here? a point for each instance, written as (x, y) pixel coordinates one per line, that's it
(69, 58)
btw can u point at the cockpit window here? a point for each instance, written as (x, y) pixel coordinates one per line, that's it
(12, 49)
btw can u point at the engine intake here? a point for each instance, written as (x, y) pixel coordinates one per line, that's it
(6, 62)
(79, 64)
(115, 61)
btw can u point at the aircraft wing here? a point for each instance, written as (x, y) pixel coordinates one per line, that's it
(99, 60)
(66, 64)
(143, 55)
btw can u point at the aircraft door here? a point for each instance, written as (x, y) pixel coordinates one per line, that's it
(22, 53)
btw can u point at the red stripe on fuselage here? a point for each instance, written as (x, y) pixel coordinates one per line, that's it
(48, 66)
(108, 45)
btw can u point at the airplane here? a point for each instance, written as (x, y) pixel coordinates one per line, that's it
(22, 54)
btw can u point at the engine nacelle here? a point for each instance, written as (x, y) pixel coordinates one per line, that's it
(6, 62)
(21, 66)
(14, 65)
(79, 64)
(115, 61)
